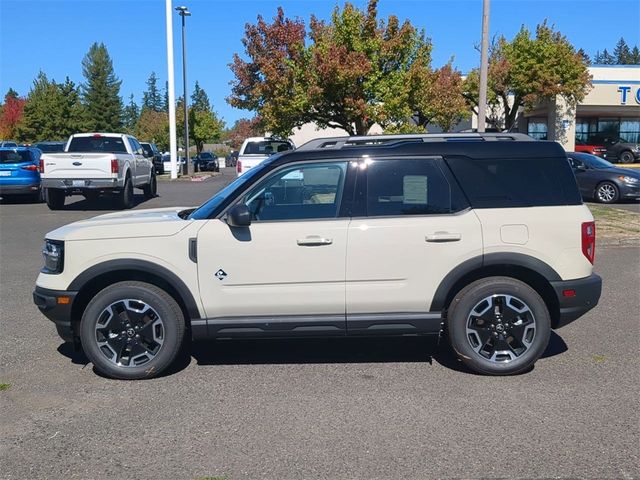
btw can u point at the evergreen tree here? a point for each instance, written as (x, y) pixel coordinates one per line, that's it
(200, 100)
(606, 58)
(635, 56)
(72, 115)
(151, 98)
(131, 115)
(11, 93)
(101, 91)
(622, 53)
(585, 56)
(165, 101)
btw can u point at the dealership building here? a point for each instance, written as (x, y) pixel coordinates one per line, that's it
(612, 107)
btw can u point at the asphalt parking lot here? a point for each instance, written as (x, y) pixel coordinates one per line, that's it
(370, 409)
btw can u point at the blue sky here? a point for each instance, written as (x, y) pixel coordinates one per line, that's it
(54, 36)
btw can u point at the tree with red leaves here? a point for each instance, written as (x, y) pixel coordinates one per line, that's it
(12, 110)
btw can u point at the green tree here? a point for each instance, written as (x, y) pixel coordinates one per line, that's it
(204, 126)
(352, 74)
(635, 56)
(165, 98)
(52, 111)
(585, 56)
(101, 91)
(153, 127)
(527, 70)
(131, 115)
(622, 53)
(199, 99)
(604, 58)
(151, 97)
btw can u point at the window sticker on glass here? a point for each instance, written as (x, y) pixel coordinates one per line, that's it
(294, 175)
(415, 189)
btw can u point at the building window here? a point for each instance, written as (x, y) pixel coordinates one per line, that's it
(537, 128)
(630, 130)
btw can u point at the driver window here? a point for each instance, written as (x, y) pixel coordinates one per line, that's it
(302, 192)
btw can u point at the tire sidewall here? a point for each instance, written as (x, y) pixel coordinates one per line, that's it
(469, 297)
(165, 306)
(126, 198)
(626, 157)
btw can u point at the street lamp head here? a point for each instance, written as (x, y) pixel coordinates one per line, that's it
(183, 11)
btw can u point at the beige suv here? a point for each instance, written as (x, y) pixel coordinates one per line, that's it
(483, 238)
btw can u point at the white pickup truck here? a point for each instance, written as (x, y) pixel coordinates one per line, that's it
(255, 150)
(94, 164)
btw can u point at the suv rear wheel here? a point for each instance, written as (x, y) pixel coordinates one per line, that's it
(132, 330)
(498, 326)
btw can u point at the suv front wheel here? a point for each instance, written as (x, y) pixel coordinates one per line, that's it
(498, 326)
(132, 330)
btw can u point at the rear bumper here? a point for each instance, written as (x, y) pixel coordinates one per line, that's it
(576, 297)
(81, 183)
(19, 189)
(59, 313)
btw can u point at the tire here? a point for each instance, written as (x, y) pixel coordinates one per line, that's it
(54, 198)
(126, 195)
(38, 197)
(142, 340)
(498, 326)
(607, 192)
(626, 157)
(150, 190)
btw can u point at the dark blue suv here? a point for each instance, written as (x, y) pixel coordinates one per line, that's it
(19, 172)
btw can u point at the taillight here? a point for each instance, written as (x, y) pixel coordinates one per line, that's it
(31, 168)
(41, 166)
(589, 240)
(114, 165)
(239, 166)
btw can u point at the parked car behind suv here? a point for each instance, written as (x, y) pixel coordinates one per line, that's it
(151, 151)
(207, 162)
(50, 147)
(584, 147)
(479, 237)
(602, 181)
(618, 149)
(19, 173)
(254, 150)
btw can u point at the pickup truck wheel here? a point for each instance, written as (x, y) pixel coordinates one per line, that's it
(91, 196)
(132, 330)
(498, 326)
(150, 190)
(126, 195)
(54, 198)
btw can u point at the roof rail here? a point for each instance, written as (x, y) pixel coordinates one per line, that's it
(337, 143)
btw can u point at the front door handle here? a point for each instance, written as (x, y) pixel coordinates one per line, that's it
(314, 241)
(441, 237)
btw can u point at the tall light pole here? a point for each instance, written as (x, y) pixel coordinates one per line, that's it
(171, 90)
(484, 67)
(184, 12)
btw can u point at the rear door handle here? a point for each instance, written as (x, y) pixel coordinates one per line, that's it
(441, 237)
(314, 241)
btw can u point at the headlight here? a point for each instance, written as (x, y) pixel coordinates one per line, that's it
(627, 179)
(53, 253)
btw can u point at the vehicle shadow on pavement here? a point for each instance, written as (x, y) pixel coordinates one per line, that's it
(317, 350)
(105, 203)
(320, 350)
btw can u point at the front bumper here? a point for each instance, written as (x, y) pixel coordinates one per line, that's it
(576, 297)
(81, 184)
(49, 303)
(630, 190)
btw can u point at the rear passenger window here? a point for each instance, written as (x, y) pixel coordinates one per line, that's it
(518, 182)
(407, 187)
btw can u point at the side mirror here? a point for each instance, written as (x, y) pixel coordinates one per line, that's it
(239, 216)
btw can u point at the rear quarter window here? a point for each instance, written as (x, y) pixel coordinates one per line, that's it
(519, 182)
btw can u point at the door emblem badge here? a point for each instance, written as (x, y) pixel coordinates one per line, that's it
(220, 274)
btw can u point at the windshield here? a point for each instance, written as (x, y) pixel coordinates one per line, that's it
(596, 162)
(206, 156)
(15, 156)
(266, 147)
(50, 147)
(204, 211)
(97, 144)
